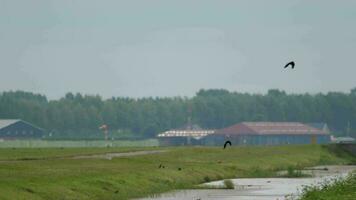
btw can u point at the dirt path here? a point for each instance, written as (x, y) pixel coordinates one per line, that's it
(107, 156)
(110, 156)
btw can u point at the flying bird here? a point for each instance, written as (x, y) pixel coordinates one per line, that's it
(227, 142)
(291, 64)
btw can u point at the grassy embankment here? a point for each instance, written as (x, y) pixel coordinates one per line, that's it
(131, 177)
(333, 190)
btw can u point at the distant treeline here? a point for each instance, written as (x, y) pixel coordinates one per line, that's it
(77, 115)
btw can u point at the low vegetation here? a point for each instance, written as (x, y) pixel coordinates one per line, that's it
(293, 172)
(54, 175)
(228, 184)
(344, 189)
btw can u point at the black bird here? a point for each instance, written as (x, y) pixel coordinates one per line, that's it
(291, 64)
(227, 142)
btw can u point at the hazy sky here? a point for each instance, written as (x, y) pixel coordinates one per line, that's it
(169, 48)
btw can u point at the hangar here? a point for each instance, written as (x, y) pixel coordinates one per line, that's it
(19, 129)
(269, 133)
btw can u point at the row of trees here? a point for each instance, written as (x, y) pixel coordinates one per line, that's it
(77, 114)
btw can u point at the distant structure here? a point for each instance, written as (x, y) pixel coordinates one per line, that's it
(321, 126)
(187, 135)
(268, 133)
(343, 140)
(19, 129)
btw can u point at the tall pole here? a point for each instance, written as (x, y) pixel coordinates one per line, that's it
(189, 121)
(189, 118)
(348, 129)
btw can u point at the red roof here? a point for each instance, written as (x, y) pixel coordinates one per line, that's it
(270, 128)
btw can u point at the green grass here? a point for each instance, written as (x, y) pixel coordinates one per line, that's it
(344, 189)
(139, 176)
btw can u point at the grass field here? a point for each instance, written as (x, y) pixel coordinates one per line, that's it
(54, 175)
(334, 190)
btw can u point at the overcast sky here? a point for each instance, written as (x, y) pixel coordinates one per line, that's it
(170, 48)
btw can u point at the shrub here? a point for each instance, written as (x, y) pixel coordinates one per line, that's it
(229, 184)
(207, 179)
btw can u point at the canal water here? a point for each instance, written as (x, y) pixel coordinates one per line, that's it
(260, 188)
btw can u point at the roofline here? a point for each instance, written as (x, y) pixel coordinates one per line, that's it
(17, 120)
(270, 122)
(14, 121)
(32, 124)
(255, 134)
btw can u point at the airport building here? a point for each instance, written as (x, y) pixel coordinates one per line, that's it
(19, 129)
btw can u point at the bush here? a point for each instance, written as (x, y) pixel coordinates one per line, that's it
(229, 184)
(294, 173)
(207, 179)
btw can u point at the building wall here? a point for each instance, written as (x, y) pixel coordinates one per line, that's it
(217, 140)
(178, 141)
(20, 130)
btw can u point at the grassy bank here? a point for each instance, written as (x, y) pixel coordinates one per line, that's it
(131, 177)
(337, 189)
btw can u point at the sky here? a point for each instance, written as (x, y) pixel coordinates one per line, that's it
(176, 47)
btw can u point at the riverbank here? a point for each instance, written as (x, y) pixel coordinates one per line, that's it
(344, 189)
(139, 176)
(261, 188)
